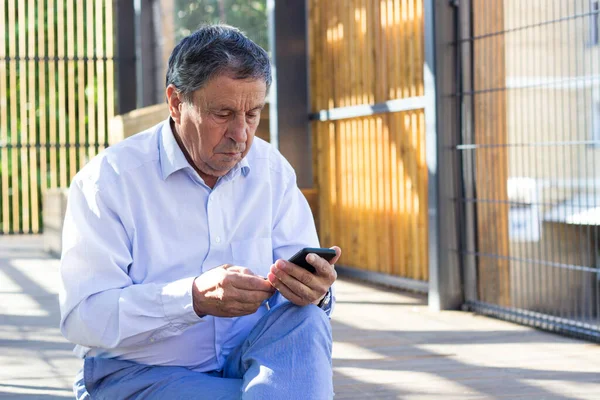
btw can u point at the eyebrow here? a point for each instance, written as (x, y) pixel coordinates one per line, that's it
(227, 108)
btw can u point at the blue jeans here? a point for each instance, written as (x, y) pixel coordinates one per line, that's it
(286, 355)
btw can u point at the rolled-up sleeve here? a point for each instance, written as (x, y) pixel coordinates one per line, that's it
(100, 304)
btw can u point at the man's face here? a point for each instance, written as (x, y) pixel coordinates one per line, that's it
(218, 127)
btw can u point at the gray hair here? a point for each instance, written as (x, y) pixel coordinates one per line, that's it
(215, 50)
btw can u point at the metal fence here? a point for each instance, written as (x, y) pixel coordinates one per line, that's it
(529, 139)
(57, 96)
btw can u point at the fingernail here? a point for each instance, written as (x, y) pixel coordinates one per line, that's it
(311, 257)
(280, 264)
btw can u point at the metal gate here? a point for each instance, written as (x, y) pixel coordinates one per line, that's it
(56, 98)
(529, 140)
(368, 121)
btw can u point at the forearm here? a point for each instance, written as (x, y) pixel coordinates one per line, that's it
(130, 316)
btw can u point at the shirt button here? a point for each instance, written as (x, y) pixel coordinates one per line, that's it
(218, 239)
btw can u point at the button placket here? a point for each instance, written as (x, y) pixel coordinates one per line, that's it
(213, 212)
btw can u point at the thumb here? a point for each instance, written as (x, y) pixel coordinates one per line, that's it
(338, 254)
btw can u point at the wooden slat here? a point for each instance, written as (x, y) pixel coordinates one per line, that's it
(386, 264)
(81, 78)
(62, 104)
(42, 77)
(23, 116)
(321, 130)
(395, 218)
(369, 98)
(412, 49)
(395, 52)
(328, 135)
(4, 124)
(371, 163)
(491, 167)
(414, 189)
(366, 227)
(313, 49)
(52, 90)
(91, 74)
(423, 180)
(352, 50)
(334, 131)
(363, 92)
(405, 48)
(352, 219)
(404, 212)
(369, 78)
(71, 88)
(388, 139)
(100, 72)
(335, 178)
(420, 45)
(379, 55)
(394, 183)
(109, 87)
(343, 192)
(31, 179)
(422, 175)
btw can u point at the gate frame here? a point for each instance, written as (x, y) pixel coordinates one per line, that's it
(444, 286)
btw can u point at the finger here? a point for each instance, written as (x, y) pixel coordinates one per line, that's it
(237, 309)
(286, 291)
(338, 254)
(241, 270)
(313, 258)
(248, 282)
(315, 281)
(305, 285)
(307, 278)
(322, 267)
(251, 296)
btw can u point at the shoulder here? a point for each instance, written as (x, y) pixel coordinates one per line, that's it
(117, 161)
(266, 158)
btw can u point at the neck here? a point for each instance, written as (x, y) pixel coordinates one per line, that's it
(210, 180)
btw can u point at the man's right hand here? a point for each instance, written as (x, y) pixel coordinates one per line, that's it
(229, 291)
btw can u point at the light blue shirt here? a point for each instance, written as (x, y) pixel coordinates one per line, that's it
(141, 225)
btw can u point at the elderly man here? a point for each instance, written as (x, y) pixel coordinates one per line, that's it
(175, 284)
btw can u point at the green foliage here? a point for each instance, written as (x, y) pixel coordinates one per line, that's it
(249, 16)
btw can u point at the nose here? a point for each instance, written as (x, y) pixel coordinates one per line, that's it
(238, 129)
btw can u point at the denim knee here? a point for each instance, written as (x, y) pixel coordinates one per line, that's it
(310, 317)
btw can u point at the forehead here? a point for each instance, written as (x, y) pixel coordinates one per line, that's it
(224, 91)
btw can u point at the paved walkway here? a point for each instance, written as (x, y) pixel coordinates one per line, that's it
(387, 345)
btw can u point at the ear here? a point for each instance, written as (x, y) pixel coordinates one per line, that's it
(175, 103)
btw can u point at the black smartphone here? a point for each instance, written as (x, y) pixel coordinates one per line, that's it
(300, 257)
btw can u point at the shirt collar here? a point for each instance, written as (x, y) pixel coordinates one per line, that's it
(172, 158)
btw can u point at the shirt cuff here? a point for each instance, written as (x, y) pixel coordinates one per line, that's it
(177, 302)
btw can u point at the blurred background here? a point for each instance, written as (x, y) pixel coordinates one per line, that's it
(449, 147)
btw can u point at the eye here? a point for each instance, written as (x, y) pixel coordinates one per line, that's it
(252, 116)
(222, 115)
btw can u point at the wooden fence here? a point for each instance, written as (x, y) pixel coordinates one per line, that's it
(56, 97)
(371, 172)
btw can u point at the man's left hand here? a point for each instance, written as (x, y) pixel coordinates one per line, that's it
(300, 286)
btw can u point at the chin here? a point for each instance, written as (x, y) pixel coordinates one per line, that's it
(223, 168)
